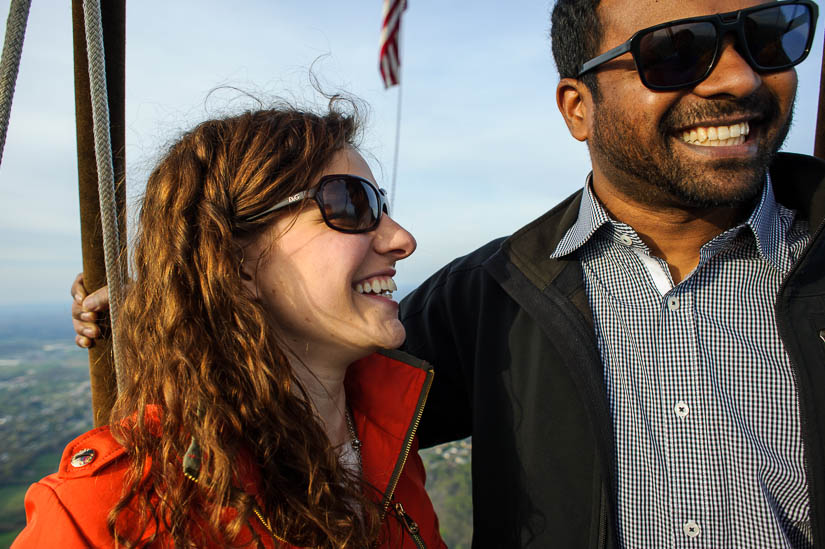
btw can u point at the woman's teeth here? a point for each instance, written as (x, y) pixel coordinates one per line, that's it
(717, 136)
(379, 286)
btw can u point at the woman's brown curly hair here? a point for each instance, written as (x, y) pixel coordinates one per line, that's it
(200, 348)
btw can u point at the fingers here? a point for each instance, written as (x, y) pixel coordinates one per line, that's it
(85, 309)
(88, 329)
(80, 313)
(85, 302)
(78, 289)
(97, 300)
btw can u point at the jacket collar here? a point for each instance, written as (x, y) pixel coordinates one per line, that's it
(387, 392)
(799, 184)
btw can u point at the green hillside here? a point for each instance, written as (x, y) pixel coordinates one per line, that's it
(44, 403)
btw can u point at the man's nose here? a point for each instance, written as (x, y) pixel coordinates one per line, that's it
(731, 76)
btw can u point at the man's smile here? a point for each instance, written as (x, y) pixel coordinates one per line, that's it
(717, 136)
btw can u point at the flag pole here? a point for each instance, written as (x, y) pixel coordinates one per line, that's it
(397, 131)
(389, 65)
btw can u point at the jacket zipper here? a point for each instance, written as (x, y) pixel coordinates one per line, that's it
(268, 527)
(603, 521)
(192, 474)
(410, 525)
(803, 423)
(405, 452)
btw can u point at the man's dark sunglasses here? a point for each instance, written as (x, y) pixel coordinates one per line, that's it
(349, 204)
(682, 53)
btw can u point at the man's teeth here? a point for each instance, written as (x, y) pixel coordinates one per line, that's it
(380, 285)
(717, 136)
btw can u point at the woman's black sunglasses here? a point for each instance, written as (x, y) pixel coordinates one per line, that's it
(682, 53)
(349, 204)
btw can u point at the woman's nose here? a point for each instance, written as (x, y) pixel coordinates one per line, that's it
(392, 238)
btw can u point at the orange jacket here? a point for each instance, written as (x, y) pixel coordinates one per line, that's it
(386, 391)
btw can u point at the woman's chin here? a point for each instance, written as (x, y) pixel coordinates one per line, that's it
(399, 336)
(393, 338)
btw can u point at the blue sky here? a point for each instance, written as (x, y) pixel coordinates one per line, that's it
(483, 148)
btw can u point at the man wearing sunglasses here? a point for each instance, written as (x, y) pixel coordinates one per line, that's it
(644, 365)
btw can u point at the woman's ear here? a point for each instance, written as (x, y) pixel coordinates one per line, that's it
(575, 103)
(246, 267)
(246, 270)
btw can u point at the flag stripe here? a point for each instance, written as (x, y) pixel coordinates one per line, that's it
(389, 61)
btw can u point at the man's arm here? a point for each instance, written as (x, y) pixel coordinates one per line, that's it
(430, 336)
(444, 319)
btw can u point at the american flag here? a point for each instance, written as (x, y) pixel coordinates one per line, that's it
(389, 62)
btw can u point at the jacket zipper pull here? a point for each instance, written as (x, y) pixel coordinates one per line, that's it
(409, 523)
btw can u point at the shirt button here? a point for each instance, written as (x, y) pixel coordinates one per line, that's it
(691, 529)
(626, 240)
(681, 409)
(673, 303)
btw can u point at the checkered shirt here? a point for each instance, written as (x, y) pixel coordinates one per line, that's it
(701, 390)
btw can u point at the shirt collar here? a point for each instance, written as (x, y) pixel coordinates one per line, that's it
(764, 221)
(591, 217)
(768, 227)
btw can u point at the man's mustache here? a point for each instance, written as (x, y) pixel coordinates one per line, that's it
(761, 105)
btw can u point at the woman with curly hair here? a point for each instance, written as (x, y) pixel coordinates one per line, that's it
(258, 406)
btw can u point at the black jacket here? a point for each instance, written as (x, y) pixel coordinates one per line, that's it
(510, 334)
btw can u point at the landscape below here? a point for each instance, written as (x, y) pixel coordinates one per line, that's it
(45, 402)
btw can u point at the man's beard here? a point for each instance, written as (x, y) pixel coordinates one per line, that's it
(651, 173)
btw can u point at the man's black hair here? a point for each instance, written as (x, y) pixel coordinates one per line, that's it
(576, 35)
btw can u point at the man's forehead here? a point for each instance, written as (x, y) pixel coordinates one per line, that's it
(621, 18)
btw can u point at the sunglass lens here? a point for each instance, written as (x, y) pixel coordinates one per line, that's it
(677, 54)
(349, 204)
(778, 36)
